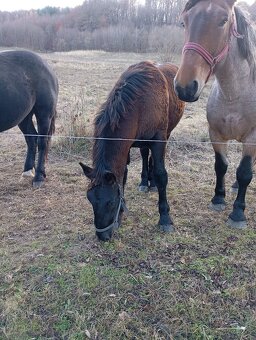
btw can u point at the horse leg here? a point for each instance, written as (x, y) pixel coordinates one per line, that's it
(151, 179)
(244, 176)
(143, 186)
(234, 187)
(28, 129)
(126, 171)
(125, 177)
(218, 201)
(161, 178)
(45, 130)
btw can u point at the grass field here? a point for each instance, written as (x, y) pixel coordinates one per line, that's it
(57, 281)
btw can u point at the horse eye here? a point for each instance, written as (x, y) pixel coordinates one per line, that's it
(223, 22)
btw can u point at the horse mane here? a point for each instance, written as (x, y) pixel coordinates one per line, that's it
(246, 45)
(132, 84)
(120, 101)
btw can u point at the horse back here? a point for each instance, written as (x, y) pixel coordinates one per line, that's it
(137, 106)
(27, 83)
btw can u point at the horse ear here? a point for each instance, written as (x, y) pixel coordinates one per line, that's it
(109, 177)
(87, 170)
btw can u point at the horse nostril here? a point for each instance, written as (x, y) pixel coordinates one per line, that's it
(105, 237)
(187, 93)
(194, 86)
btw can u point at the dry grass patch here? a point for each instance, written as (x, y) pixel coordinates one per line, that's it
(58, 282)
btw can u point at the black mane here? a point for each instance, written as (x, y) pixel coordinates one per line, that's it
(120, 101)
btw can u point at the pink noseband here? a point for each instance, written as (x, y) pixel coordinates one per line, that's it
(212, 61)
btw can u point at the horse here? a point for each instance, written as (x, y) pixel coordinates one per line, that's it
(220, 41)
(140, 111)
(29, 88)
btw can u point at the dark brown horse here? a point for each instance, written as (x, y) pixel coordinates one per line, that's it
(142, 106)
(28, 88)
(221, 41)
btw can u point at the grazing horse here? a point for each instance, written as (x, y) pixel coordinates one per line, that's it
(135, 114)
(29, 87)
(221, 41)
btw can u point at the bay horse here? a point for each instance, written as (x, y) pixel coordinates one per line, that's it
(140, 111)
(220, 41)
(29, 88)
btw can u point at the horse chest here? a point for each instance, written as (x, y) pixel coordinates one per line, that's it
(230, 120)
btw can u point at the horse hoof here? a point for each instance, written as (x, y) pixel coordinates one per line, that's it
(167, 228)
(217, 207)
(38, 185)
(153, 189)
(28, 174)
(234, 190)
(143, 188)
(236, 224)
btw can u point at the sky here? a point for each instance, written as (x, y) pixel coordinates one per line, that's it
(15, 5)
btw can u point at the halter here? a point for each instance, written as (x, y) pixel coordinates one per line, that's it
(115, 224)
(213, 61)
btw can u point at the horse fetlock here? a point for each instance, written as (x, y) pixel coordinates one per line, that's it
(28, 174)
(143, 188)
(238, 215)
(217, 204)
(153, 188)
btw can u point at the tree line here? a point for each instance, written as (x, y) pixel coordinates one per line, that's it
(111, 25)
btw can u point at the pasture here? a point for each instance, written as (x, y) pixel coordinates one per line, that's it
(57, 281)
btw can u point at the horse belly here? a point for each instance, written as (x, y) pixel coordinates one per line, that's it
(14, 107)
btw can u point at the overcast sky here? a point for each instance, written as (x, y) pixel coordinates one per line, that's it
(15, 5)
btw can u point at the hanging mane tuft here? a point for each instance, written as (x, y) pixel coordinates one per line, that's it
(247, 44)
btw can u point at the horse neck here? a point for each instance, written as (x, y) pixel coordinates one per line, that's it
(111, 156)
(233, 74)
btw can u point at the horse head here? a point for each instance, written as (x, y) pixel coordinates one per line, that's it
(208, 26)
(106, 198)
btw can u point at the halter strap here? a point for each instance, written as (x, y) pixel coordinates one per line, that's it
(115, 224)
(213, 61)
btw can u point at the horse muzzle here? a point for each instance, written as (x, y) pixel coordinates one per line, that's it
(189, 93)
